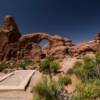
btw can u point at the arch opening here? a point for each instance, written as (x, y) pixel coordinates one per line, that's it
(43, 42)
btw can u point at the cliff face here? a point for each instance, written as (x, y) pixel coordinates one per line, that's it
(13, 45)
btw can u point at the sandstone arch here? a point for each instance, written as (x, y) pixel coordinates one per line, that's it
(13, 44)
(34, 37)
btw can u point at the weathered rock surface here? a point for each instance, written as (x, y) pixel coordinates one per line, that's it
(15, 46)
(92, 46)
(56, 44)
(10, 29)
(9, 35)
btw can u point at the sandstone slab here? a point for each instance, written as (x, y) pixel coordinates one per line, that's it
(17, 80)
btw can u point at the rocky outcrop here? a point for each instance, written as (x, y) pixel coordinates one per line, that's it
(97, 36)
(92, 46)
(9, 34)
(9, 28)
(15, 46)
(56, 44)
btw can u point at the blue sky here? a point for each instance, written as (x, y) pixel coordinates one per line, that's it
(78, 20)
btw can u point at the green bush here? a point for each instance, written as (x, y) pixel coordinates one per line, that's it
(44, 66)
(86, 70)
(50, 58)
(70, 71)
(48, 90)
(49, 65)
(65, 80)
(54, 66)
(89, 74)
(4, 66)
(43, 90)
(98, 57)
(90, 91)
(24, 63)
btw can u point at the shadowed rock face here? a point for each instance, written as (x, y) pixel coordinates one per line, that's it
(13, 45)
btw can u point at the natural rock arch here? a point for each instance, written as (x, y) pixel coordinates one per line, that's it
(13, 44)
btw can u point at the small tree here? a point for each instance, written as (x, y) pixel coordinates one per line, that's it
(50, 90)
(49, 65)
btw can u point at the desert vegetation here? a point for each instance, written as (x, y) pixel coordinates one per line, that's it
(12, 65)
(49, 65)
(49, 88)
(24, 63)
(3, 66)
(88, 73)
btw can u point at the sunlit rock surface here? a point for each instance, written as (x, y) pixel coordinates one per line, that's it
(14, 46)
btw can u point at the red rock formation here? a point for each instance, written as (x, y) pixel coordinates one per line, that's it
(8, 34)
(56, 44)
(10, 29)
(86, 47)
(15, 46)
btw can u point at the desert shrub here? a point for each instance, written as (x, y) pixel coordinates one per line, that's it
(44, 66)
(98, 64)
(70, 71)
(49, 90)
(86, 70)
(4, 66)
(88, 73)
(98, 57)
(77, 70)
(49, 65)
(65, 80)
(50, 58)
(43, 89)
(90, 91)
(24, 63)
(54, 66)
